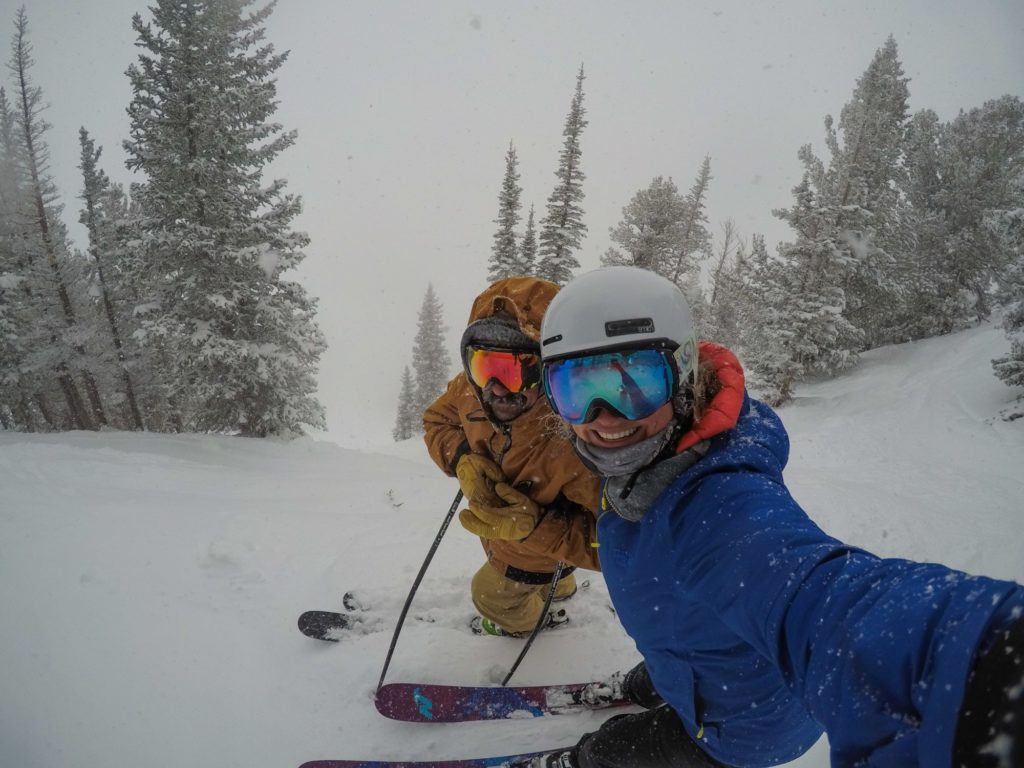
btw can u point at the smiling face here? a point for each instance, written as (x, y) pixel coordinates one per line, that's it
(611, 431)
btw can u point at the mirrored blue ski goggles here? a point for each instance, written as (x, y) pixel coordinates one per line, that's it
(632, 384)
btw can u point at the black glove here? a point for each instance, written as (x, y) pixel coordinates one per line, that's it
(993, 707)
(638, 688)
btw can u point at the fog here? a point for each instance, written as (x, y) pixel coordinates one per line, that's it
(404, 112)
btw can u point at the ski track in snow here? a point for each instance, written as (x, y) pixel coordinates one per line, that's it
(149, 585)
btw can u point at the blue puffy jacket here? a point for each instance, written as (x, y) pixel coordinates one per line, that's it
(761, 631)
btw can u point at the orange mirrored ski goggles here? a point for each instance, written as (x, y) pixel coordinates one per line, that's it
(516, 371)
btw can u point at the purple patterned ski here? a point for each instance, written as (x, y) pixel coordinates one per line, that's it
(508, 761)
(422, 703)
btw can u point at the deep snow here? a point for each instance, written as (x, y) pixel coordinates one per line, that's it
(149, 584)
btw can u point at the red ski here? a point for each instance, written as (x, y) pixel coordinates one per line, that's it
(423, 703)
(508, 761)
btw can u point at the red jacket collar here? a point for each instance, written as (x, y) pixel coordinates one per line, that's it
(724, 409)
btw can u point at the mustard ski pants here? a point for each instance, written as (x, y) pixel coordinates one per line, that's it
(512, 605)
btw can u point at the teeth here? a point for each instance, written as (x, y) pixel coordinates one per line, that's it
(617, 435)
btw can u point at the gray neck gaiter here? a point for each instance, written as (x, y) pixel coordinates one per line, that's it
(632, 497)
(614, 462)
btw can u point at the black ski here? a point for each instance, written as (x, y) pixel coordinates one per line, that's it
(325, 625)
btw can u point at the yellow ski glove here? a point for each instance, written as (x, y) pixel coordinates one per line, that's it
(513, 518)
(477, 476)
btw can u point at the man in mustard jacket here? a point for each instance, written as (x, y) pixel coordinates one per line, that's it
(530, 498)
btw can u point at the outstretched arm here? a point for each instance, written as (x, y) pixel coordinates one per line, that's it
(878, 650)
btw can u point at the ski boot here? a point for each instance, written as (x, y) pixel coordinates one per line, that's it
(354, 602)
(481, 625)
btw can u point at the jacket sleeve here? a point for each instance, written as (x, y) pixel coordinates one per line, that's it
(878, 650)
(442, 426)
(566, 532)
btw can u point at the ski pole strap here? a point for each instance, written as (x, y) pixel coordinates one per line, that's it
(540, 622)
(416, 585)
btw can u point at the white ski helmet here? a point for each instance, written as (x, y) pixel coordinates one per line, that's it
(620, 308)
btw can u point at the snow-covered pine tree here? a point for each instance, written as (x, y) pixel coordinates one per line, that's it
(739, 307)
(726, 299)
(15, 388)
(216, 241)
(407, 421)
(98, 216)
(849, 265)
(151, 363)
(862, 194)
(963, 185)
(504, 260)
(430, 359)
(922, 307)
(562, 228)
(48, 275)
(528, 247)
(694, 239)
(808, 302)
(754, 274)
(651, 232)
(1008, 227)
(766, 336)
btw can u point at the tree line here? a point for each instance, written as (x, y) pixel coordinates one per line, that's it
(177, 316)
(549, 254)
(909, 227)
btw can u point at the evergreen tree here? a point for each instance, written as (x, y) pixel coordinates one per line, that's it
(528, 247)
(860, 194)
(725, 304)
(808, 300)
(963, 186)
(562, 229)
(430, 359)
(240, 339)
(101, 205)
(407, 421)
(504, 257)
(1009, 229)
(1010, 367)
(154, 379)
(47, 272)
(767, 335)
(925, 301)
(841, 280)
(694, 240)
(772, 321)
(14, 411)
(651, 232)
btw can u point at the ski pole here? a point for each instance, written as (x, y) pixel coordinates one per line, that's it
(540, 622)
(416, 584)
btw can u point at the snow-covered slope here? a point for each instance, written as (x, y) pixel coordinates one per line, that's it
(149, 585)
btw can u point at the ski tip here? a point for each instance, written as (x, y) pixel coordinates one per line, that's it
(384, 701)
(322, 625)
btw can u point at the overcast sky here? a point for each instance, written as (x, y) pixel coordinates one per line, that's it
(404, 112)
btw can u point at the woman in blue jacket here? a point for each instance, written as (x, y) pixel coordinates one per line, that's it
(757, 629)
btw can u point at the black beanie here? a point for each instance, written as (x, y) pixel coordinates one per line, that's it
(500, 331)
